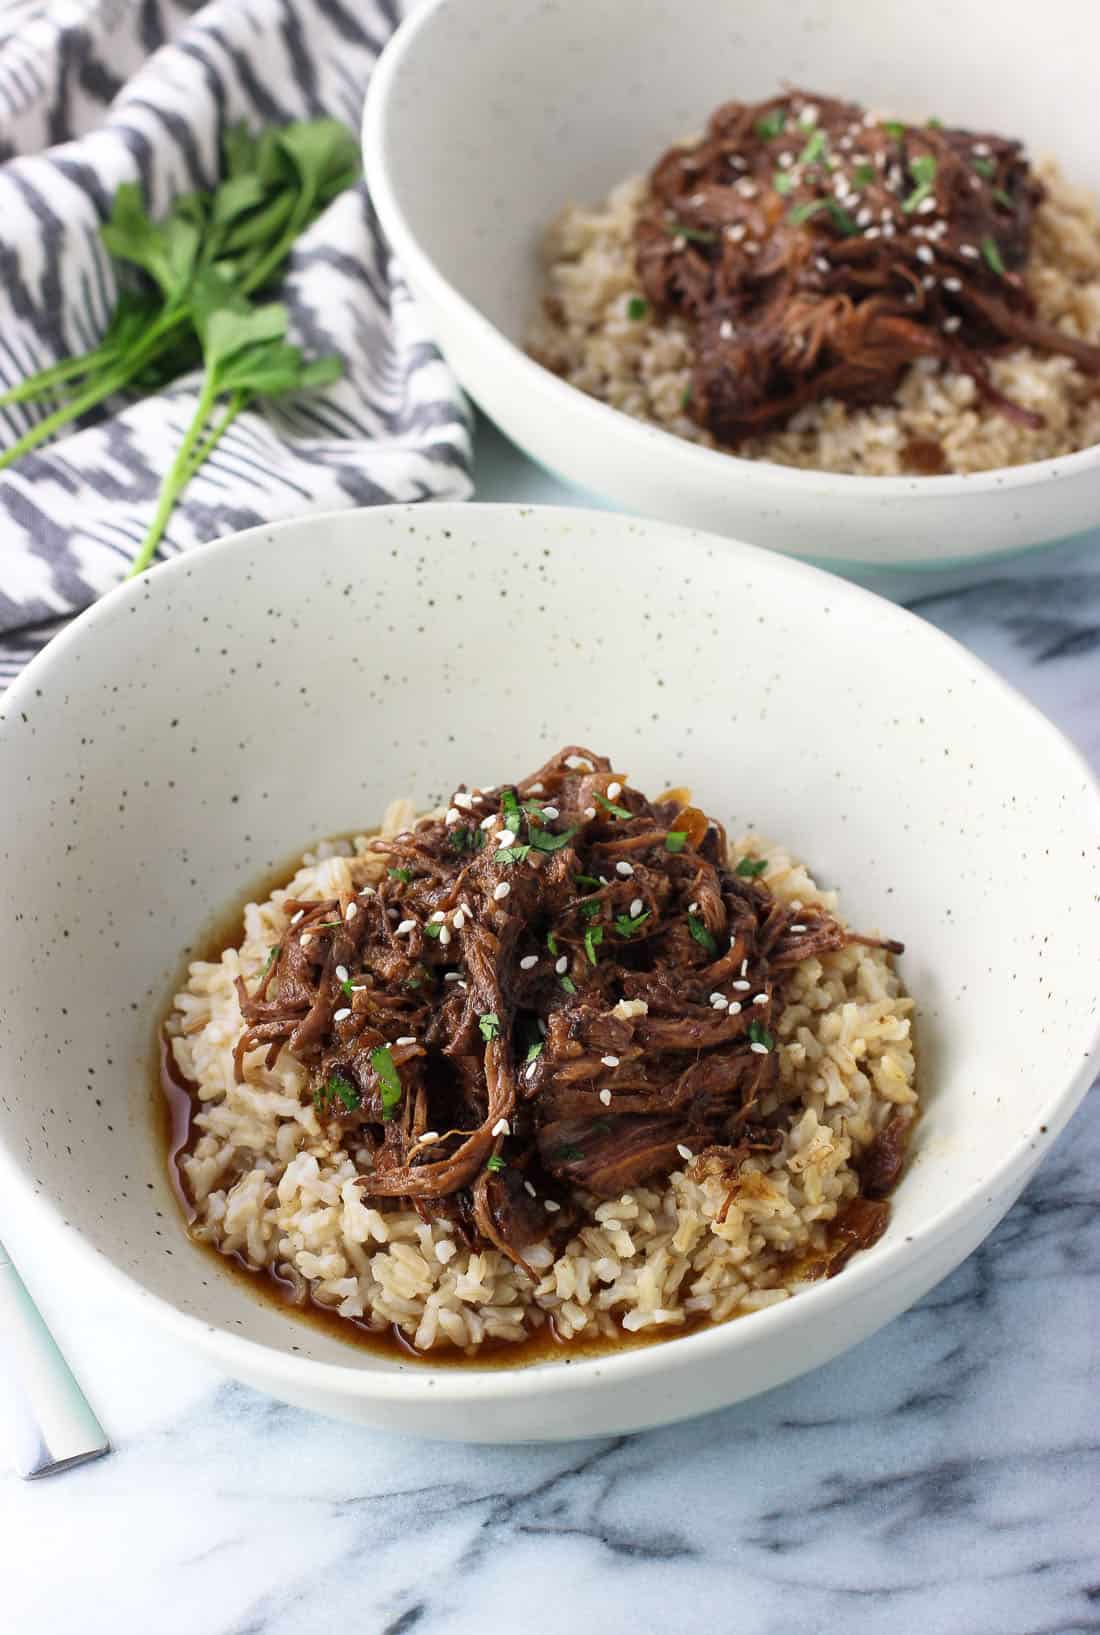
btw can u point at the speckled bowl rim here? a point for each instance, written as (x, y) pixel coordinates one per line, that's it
(535, 1382)
(594, 417)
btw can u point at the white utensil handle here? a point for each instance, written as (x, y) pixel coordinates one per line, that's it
(53, 1427)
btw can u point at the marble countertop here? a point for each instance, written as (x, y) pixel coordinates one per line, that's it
(942, 1477)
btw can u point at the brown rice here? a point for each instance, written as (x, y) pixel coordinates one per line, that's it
(270, 1186)
(585, 334)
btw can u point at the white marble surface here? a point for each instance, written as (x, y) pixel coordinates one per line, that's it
(942, 1478)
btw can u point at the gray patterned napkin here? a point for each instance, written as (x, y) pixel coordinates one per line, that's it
(97, 92)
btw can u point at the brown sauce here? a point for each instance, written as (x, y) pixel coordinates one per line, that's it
(175, 1103)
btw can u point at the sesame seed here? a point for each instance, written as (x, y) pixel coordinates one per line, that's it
(636, 908)
(306, 940)
(463, 800)
(438, 917)
(561, 965)
(490, 789)
(604, 881)
(693, 908)
(501, 891)
(888, 229)
(550, 1206)
(294, 918)
(406, 925)
(760, 999)
(928, 282)
(952, 323)
(406, 1039)
(737, 162)
(786, 160)
(614, 790)
(685, 1152)
(742, 986)
(452, 815)
(550, 812)
(873, 232)
(747, 189)
(341, 973)
(926, 206)
(610, 1061)
(697, 199)
(451, 976)
(798, 928)
(487, 822)
(679, 242)
(744, 967)
(759, 1050)
(605, 1097)
(429, 1135)
(340, 1015)
(735, 1007)
(624, 868)
(529, 1189)
(444, 936)
(736, 232)
(535, 789)
(528, 962)
(718, 999)
(809, 114)
(865, 217)
(529, 1070)
(460, 919)
(751, 246)
(952, 284)
(506, 838)
(726, 329)
(925, 254)
(968, 250)
(393, 913)
(541, 1026)
(822, 264)
(982, 149)
(590, 811)
(501, 1127)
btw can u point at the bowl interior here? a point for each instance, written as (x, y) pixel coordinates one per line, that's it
(503, 111)
(199, 725)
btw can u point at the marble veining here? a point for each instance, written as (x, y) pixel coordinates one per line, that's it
(942, 1478)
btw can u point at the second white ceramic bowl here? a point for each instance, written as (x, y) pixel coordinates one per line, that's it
(201, 723)
(485, 117)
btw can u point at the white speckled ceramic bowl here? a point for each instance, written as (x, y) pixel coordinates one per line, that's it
(486, 117)
(203, 722)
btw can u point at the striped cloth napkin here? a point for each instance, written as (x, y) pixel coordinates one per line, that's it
(97, 92)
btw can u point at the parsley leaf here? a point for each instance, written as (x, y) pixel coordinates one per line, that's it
(759, 1035)
(783, 181)
(534, 1051)
(991, 250)
(626, 926)
(592, 939)
(750, 867)
(770, 125)
(509, 805)
(701, 934)
(543, 841)
(389, 1081)
(432, 929)
(984, 167)
(489, 1026)
(700, 235)
(511, 854)
(588, 880)
(675, 840)
(609, 806)
(802, 212)
(400, 874)
(272, 956)
(923, 170)
(568, 984)
(463, 839)
(347, 989)
(814, 149)
(637, 308)
(495, 1164)
(551, 942)
(863, 175)
(895, 127)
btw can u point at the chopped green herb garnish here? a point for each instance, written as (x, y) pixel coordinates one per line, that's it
(543, 841)
(991, 250)
(923, 171)
(272, 956)
(759, 1035)
(1005, 200)
(568, 984)
(750, 867)
(934, 124)
(551, 942)
(534, 1051)
(609, 806)
(626, 925)
(509, 805)
(489, 1026)
(637, 308)
(344, 1091)
(495, 1164)
(567, 1153)
(783, 181)
(842, 221)
(895, 127)
(802, 212)
(464, 839)
(863, 175)
(389, 1081)
(699, 235)
(675, 840)
(813, 150)
(347, 990)
(769, 126)
(701, 934)
(400, 874)
(592, 939)
(685, 397)
(433, 928)
(588, 880)
(511, 854)
(590, 908)
(984, 167)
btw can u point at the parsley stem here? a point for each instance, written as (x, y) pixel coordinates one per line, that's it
(184, 467)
